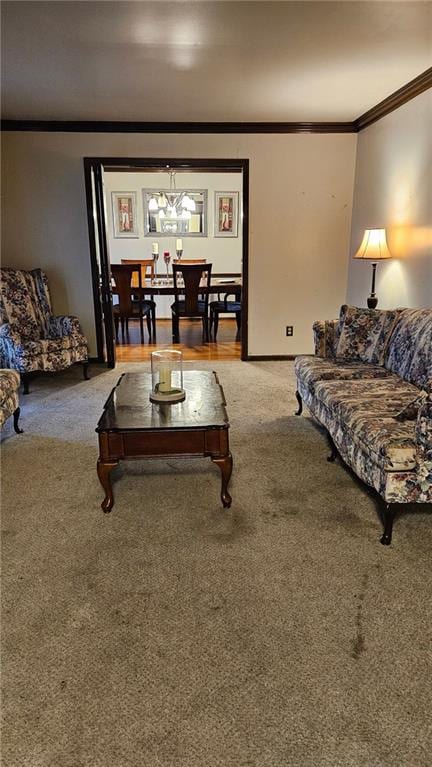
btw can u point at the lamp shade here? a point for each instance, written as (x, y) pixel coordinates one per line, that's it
(374, 245)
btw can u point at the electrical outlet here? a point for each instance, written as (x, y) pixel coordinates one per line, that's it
(290, 330)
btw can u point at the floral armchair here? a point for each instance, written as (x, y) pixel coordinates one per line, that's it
(32, 339)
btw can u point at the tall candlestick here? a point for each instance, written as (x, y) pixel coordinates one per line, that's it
(179, 245)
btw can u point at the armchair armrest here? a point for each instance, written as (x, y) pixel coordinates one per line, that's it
(63, 325)
(325, 337)
(8, 333)
(424, 438)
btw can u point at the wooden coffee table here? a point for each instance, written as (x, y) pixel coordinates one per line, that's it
(132, 427)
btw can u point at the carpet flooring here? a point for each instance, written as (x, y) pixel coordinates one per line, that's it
(173, 633)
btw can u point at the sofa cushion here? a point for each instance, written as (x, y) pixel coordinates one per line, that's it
(409, 351)
(312, 369)
(364, 334)
(366, 414)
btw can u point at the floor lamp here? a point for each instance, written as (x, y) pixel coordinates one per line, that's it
(373, 248)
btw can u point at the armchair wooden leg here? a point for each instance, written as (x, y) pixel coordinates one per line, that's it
(16, 416)
(389, 515)
(86, 371)
(300, 403)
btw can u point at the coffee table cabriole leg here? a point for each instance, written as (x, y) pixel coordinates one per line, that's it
(225, 464)
(104, 469)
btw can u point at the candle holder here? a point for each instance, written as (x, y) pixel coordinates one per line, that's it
(167, 259)
(155, 257)
(167, 377)
(179, 254)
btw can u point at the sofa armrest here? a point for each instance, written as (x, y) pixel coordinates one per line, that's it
(325, 338)
(424, 430)
(64, 325)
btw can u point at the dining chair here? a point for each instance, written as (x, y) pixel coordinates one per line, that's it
(224, 306)
(190, 261)
(188, 302)
(147, 270)
(127, 308)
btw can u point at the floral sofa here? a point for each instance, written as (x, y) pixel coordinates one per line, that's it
(9, 400)
(370, 385)
(32, 339)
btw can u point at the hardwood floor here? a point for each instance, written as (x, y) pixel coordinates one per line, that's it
(192, 346)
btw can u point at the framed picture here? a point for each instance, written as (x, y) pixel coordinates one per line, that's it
(124, 211)
(226, 214)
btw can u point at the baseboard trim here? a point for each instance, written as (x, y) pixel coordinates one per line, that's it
(270, 357)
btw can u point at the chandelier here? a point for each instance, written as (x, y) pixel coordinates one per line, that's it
(172, 203)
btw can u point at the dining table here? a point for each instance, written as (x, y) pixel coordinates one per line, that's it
(163, 286)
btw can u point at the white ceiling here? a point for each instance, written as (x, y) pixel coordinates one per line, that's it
(208, 61)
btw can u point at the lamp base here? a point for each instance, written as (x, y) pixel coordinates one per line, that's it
(372, 302)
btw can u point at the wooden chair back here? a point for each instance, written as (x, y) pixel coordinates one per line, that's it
(122, 275)
(190, 261)
(146, 264)
(192, 275)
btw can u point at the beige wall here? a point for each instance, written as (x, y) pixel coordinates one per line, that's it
(300, 215)
(393, 189)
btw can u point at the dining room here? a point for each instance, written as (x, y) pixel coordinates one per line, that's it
(175, 247)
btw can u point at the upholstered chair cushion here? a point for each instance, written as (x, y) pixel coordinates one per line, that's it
(365, 333)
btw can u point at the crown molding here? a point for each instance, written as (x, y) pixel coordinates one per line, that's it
(104, 126)
(409, 91)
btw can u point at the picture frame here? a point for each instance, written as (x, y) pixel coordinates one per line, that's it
(124, 214)
(226, 214)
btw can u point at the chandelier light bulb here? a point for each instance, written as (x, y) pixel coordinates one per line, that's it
(153, 206)
(162, 201)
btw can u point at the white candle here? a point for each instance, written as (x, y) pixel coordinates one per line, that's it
(179, 245)
(155, 248)
(165, 379)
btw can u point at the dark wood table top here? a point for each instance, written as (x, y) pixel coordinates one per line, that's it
(129, 408)
(160, 288)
